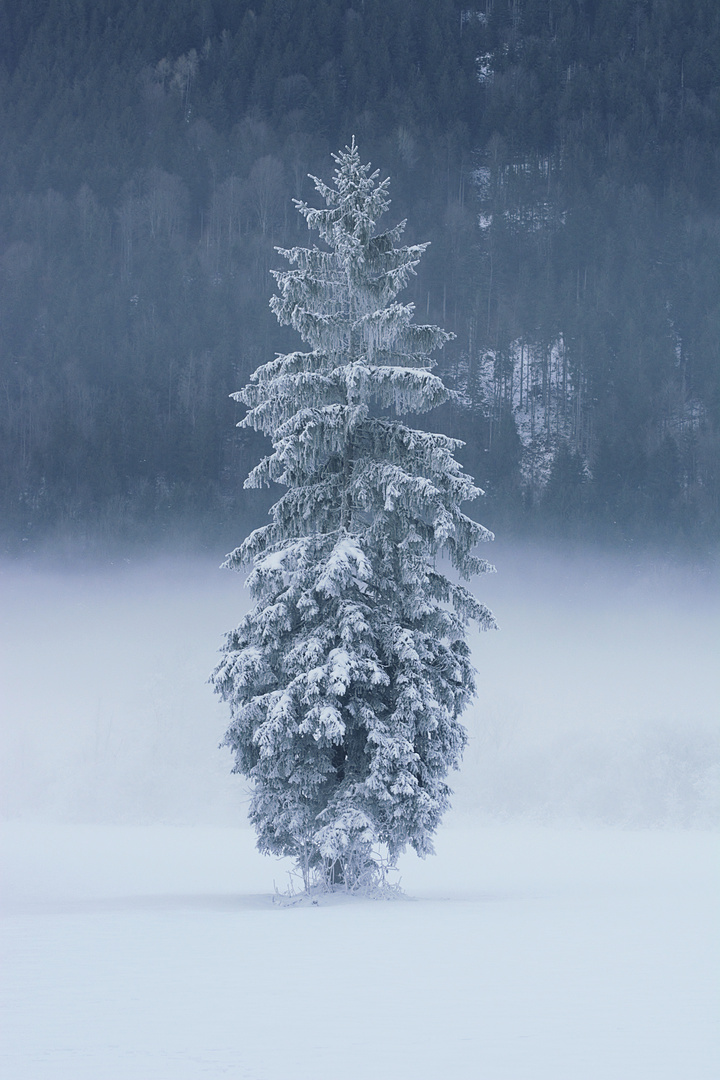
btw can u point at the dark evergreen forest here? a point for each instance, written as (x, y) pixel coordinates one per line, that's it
(562, 156)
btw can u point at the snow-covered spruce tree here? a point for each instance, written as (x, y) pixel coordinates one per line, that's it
(347, 678)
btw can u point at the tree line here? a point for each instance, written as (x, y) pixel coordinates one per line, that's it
(561, 157)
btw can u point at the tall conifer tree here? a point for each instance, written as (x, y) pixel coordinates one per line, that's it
(347, 678)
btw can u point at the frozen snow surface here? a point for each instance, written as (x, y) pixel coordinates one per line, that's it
(156, 953)
(567, 928)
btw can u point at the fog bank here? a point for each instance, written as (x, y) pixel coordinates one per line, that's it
(597, 698)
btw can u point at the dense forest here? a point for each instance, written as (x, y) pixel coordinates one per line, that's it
(562, 156)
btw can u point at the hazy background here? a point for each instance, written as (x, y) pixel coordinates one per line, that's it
(561, 158)
(598, 698)
(563, 162)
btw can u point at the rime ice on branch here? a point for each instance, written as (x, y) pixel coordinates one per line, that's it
(347, 678)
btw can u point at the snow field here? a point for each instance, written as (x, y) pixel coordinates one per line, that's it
(525, 953)
(567, 928)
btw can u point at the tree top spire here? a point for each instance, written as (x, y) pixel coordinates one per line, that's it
(355, 200)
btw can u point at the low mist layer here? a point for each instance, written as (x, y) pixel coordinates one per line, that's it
(597, 698)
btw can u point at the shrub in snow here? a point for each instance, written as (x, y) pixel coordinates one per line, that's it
(347, 678)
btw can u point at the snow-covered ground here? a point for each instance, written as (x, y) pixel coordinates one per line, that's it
(566, 929)
(144, 952)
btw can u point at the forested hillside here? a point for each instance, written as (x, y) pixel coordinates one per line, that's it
(563, 156)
